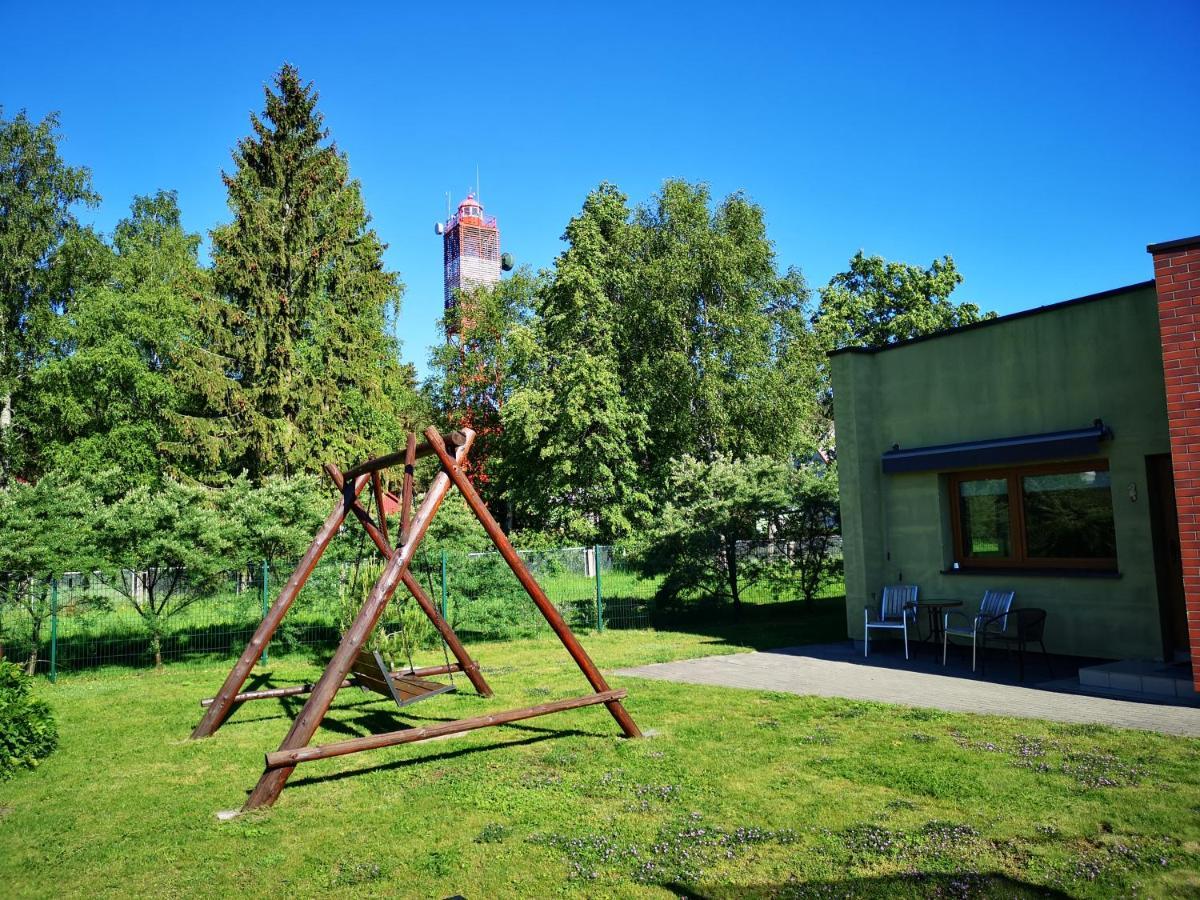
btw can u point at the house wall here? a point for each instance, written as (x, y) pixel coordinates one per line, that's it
(1049, 371)
(1177, 278)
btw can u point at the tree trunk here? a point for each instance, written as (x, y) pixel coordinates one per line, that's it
(5, 438)
(731, 565)
(36, 634)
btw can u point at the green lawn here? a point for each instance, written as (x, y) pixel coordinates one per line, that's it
(735, 793)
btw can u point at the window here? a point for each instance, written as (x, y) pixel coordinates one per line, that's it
(1050, 516)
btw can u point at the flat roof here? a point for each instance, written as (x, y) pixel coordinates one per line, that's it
(986, 323)
(1181, 244)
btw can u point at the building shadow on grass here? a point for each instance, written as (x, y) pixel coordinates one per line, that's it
(760, 626)
(1053, 673)
(909, 884)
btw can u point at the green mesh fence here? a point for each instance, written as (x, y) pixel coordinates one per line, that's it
(592, 587)
(79, 621)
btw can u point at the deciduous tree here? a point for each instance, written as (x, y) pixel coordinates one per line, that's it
(105, 404)
(876, 302)
(713, 507)
(165, 545)
(715, 350)
(39, 192)
(47, 529)
(485, 360)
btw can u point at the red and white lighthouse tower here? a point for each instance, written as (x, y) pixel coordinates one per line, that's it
(471, 259)
(470, 249)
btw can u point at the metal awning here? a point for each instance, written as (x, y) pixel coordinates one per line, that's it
(998, 451)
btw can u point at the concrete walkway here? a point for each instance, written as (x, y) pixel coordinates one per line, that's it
(837, 671)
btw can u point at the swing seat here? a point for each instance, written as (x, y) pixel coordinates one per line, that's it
(371, 673)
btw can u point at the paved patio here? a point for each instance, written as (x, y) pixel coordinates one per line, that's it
(839, 670)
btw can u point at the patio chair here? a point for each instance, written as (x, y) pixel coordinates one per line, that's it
(1030, 626)
(992, 618)
(896, 610)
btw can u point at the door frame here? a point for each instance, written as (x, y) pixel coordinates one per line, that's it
(1164, 533)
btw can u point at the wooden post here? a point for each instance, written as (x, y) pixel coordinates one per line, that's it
(599, 588)
(53, 630)
(272, 781)
(380, 512)
(224, 699)
(264, 591)
(454, 471)
(469, 666)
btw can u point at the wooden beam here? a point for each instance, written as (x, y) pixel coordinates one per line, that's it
(223, 702)
(271, 693)
(424, 449)
(271, 784)
(380, 512)
(452, 468)
(296, 690)
(288, 759)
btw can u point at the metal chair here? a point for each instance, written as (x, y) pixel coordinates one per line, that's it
(1030, 626)
(991, 618)
(897, 608)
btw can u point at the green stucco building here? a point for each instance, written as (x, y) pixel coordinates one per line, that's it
(1035, 452)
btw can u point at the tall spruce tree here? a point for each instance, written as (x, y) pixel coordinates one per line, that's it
(301, 306)
(573, 430)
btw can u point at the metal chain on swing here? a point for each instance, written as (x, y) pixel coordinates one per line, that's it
(429, 581)
(405, 641)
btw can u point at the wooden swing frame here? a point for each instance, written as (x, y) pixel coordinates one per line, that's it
(295, 747)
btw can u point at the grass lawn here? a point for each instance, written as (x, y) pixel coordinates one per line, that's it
(737, 793)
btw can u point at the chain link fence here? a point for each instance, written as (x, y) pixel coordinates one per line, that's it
(79, 621)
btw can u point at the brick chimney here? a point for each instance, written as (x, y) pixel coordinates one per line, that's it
(1177, 280)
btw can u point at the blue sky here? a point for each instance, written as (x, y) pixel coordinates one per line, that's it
(1041, 145)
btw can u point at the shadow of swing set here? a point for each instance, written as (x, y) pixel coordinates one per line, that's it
(353, 663)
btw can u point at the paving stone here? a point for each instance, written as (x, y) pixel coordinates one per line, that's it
(820, 672)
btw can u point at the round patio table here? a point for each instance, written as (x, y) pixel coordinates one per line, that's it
(937, 615)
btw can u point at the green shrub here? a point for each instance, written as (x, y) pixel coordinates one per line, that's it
(27, 731)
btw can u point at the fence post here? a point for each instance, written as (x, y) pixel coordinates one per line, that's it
(53, 630)
(599, 589)
(266, 605)
(444, 584)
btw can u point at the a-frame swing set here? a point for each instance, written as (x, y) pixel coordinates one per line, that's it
(352, 663)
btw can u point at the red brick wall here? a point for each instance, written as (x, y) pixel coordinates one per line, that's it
(1177, 280)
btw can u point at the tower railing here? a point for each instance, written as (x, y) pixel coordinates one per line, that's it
(487, 221)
